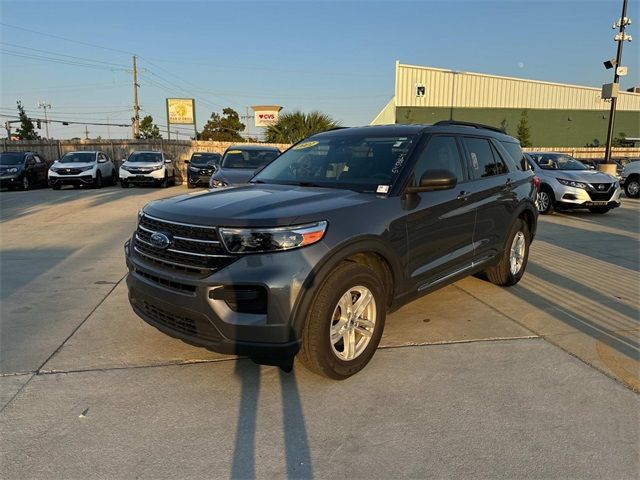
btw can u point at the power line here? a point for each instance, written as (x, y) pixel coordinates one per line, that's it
(70, 122)
(63, 55)
(58, 60)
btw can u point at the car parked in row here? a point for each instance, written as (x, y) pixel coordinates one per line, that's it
(240, 162)
(147, 167)
(22, 170)
(200, 167)
(568, 183)
(630, 179)
(83, 168)
(342, 228)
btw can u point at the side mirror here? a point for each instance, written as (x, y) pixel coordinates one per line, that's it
(187, 161)
(434, 180)
(102, 160)
(124, 160)
(168, 160)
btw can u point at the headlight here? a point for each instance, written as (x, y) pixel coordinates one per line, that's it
(84, 169)
(248, 240)
(157, 167)
(571, 183)
(214, 183)
(194, 169)
(140, 215)
(12, 170)
(124, 167)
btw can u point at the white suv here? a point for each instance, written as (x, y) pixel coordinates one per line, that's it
(89, 168)
(147, 167)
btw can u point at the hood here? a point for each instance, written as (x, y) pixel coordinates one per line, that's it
(586, 176)
(141, 165)
(257, 205)
(234, 176)
(73, 165)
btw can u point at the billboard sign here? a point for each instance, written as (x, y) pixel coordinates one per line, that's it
(181, 111)
(265, 115)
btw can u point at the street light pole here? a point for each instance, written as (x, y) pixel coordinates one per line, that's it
(44, 106)
(621, 37)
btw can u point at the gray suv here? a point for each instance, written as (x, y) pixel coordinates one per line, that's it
(342, 228)
(568, 183)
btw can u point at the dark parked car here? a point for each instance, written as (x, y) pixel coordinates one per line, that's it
(22, 170)
(340, 229)
(201, 167)
(240, 162)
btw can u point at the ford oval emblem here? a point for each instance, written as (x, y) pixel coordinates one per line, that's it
(160, 240)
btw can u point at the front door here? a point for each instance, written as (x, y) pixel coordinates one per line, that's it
(440, 226)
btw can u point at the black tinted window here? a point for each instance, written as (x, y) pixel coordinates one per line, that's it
(441, 153)
(238, 158)
(481, 158)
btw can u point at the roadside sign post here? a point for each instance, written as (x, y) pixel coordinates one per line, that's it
(181, 111)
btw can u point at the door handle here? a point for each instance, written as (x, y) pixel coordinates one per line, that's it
(508, 185)
(463, 195)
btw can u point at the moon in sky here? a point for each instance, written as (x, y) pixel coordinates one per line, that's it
(520, 64)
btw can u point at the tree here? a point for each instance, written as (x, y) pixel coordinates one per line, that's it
(148, 129)
(26, 131)
(524, 135)
(293, 127)
(504, 125)
(223, 128)
(620, 140)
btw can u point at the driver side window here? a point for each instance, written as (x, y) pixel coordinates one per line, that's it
(441, 153)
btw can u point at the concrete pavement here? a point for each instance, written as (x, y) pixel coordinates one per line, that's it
(492, 400)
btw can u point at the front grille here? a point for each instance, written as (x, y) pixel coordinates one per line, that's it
(140, 170)
(599, 197)
(179, 286)
(195, 328)
(193, 248)
(69, 171)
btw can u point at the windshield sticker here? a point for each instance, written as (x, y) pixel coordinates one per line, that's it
(382, 189)
(398, 165)
(234, 151)
(305, 145)
(474, 161)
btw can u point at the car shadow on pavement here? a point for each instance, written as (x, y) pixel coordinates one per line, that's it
(296, 443)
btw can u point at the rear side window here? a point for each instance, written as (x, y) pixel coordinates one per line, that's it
(481, 158)
(441, 153)
(515, 152)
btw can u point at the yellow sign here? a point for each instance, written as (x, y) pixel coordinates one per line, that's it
(181, 110)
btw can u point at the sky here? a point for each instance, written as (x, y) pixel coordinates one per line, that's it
(335, 57)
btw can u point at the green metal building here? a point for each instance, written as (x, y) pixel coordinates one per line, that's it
(559, 115)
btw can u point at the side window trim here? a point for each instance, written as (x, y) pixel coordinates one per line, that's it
(498, 159)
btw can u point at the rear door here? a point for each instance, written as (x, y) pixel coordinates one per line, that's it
(492, 195)
(41, 169)
(440, 224)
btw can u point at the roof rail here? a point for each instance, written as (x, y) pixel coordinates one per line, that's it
(454, 123)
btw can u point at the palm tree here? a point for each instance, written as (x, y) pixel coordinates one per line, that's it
(294, 126)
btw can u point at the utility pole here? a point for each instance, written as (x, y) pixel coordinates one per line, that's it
(621, 37)
(7, 125)
(45, 105)
(86, 132)
(135, 120)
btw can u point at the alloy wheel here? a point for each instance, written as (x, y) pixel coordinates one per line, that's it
(543, 201)
(634, 187)
(353, 323)
(516, 255)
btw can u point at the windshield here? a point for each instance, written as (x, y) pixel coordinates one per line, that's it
(548, 161)
(11, 158)
(203, 159)
(78, 157)
(358, 162)
(145, 157)
(238, 158)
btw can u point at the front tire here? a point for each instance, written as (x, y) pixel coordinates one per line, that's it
(164, 183)
(114, 177)
(124, 183)
(545, 201)
(514, 259)
(345, 322)
(56, 186)
(632, 187)
(97, 182)
(26, 184)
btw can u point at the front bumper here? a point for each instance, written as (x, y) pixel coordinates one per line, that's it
(10, 180)
(85, 178)
(571, 197)
(147, 177)
(196, 179)
(181, 304)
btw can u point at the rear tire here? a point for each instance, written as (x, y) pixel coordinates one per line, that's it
(331, 316)
(599, 209)
(114, 177)
(545, 201)
(514, 259)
